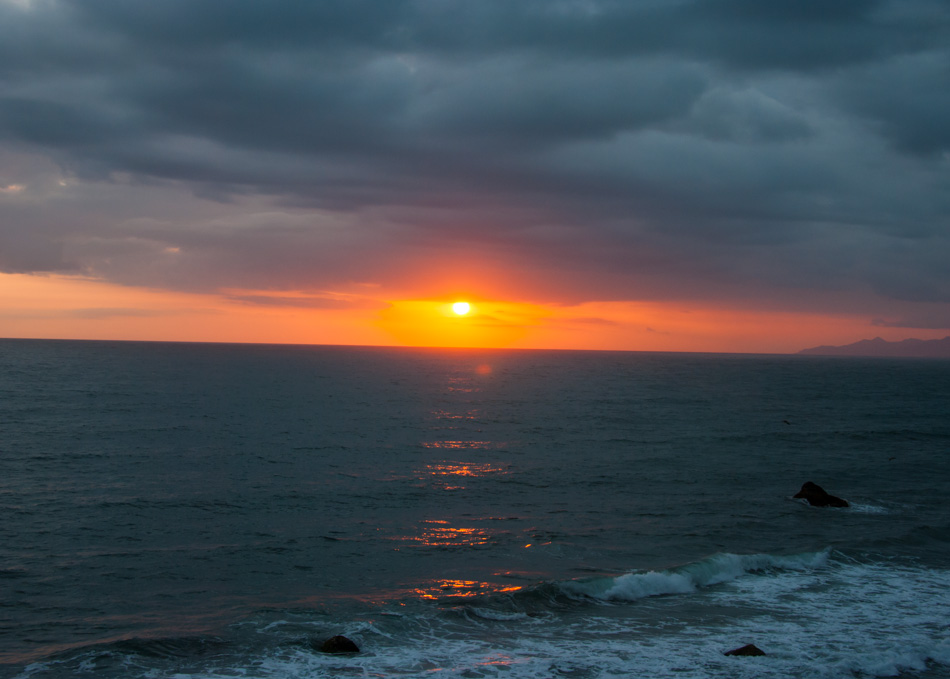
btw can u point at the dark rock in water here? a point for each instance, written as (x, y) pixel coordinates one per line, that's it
(339, 644)
(817, 497)
(748, 649)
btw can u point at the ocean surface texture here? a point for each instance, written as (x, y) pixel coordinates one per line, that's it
(178, 510)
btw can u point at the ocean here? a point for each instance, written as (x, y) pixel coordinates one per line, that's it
(218, 511)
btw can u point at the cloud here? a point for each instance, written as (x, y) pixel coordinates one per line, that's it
(591, 320)
(303, 301)
(778, 154)
(934, 316)
(905, 98)
(97, 313)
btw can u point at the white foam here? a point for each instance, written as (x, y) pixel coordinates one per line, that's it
(869, 509)
(838, 622)
(714, 570)
(492, 614)
(875, 619)
(813, 615)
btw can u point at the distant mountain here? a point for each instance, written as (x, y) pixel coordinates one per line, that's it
(877, 347)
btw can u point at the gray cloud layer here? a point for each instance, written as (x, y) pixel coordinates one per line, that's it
(596, 149)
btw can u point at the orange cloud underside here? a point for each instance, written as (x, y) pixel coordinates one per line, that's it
(62, 307)
(80, 308)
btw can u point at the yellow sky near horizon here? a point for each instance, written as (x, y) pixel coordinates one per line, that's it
(69, 307)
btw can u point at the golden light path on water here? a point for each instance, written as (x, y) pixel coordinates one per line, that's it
(450, 427)
(461, 589)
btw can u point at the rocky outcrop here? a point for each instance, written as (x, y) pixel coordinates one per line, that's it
(816, 496)
(748, 649)
(337, 644)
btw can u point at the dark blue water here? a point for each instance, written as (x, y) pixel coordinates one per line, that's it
(180, 510)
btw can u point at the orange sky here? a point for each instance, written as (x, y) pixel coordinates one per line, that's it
(581, 188)
(79, 308)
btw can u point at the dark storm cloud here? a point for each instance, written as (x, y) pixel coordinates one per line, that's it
(650, 149)
(909, 98)
(936, 321)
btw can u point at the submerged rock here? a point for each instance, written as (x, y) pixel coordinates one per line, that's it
(338, 644)
(748, 649)
(817, 497)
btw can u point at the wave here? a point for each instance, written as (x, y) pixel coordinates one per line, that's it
(818, 614)
(865, 508)
(547, 598)
(117, 657)
(169, 647)
(492, 614)
(689, 578)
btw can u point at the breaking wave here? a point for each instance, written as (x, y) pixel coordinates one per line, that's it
(685, 579)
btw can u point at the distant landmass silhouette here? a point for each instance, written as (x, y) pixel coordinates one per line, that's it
(913, 348)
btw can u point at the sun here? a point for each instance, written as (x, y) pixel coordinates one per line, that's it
(461, 308)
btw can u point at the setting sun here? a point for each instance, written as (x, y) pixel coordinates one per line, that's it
(461, 308)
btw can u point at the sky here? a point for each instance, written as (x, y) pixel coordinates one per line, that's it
(664, 175)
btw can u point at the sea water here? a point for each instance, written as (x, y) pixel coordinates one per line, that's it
(198, 510)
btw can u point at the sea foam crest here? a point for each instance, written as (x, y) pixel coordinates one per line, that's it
(492, 614)
(869, 509)
(685, 579)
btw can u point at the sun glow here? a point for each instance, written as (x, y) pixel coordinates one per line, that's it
(436, 323)
(74, 307)
(461, 308)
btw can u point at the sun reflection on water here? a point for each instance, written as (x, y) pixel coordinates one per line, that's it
(447, 415)
(462, 384)
(437, 533)
(448, 475)
(462, 469)
(461, 589)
